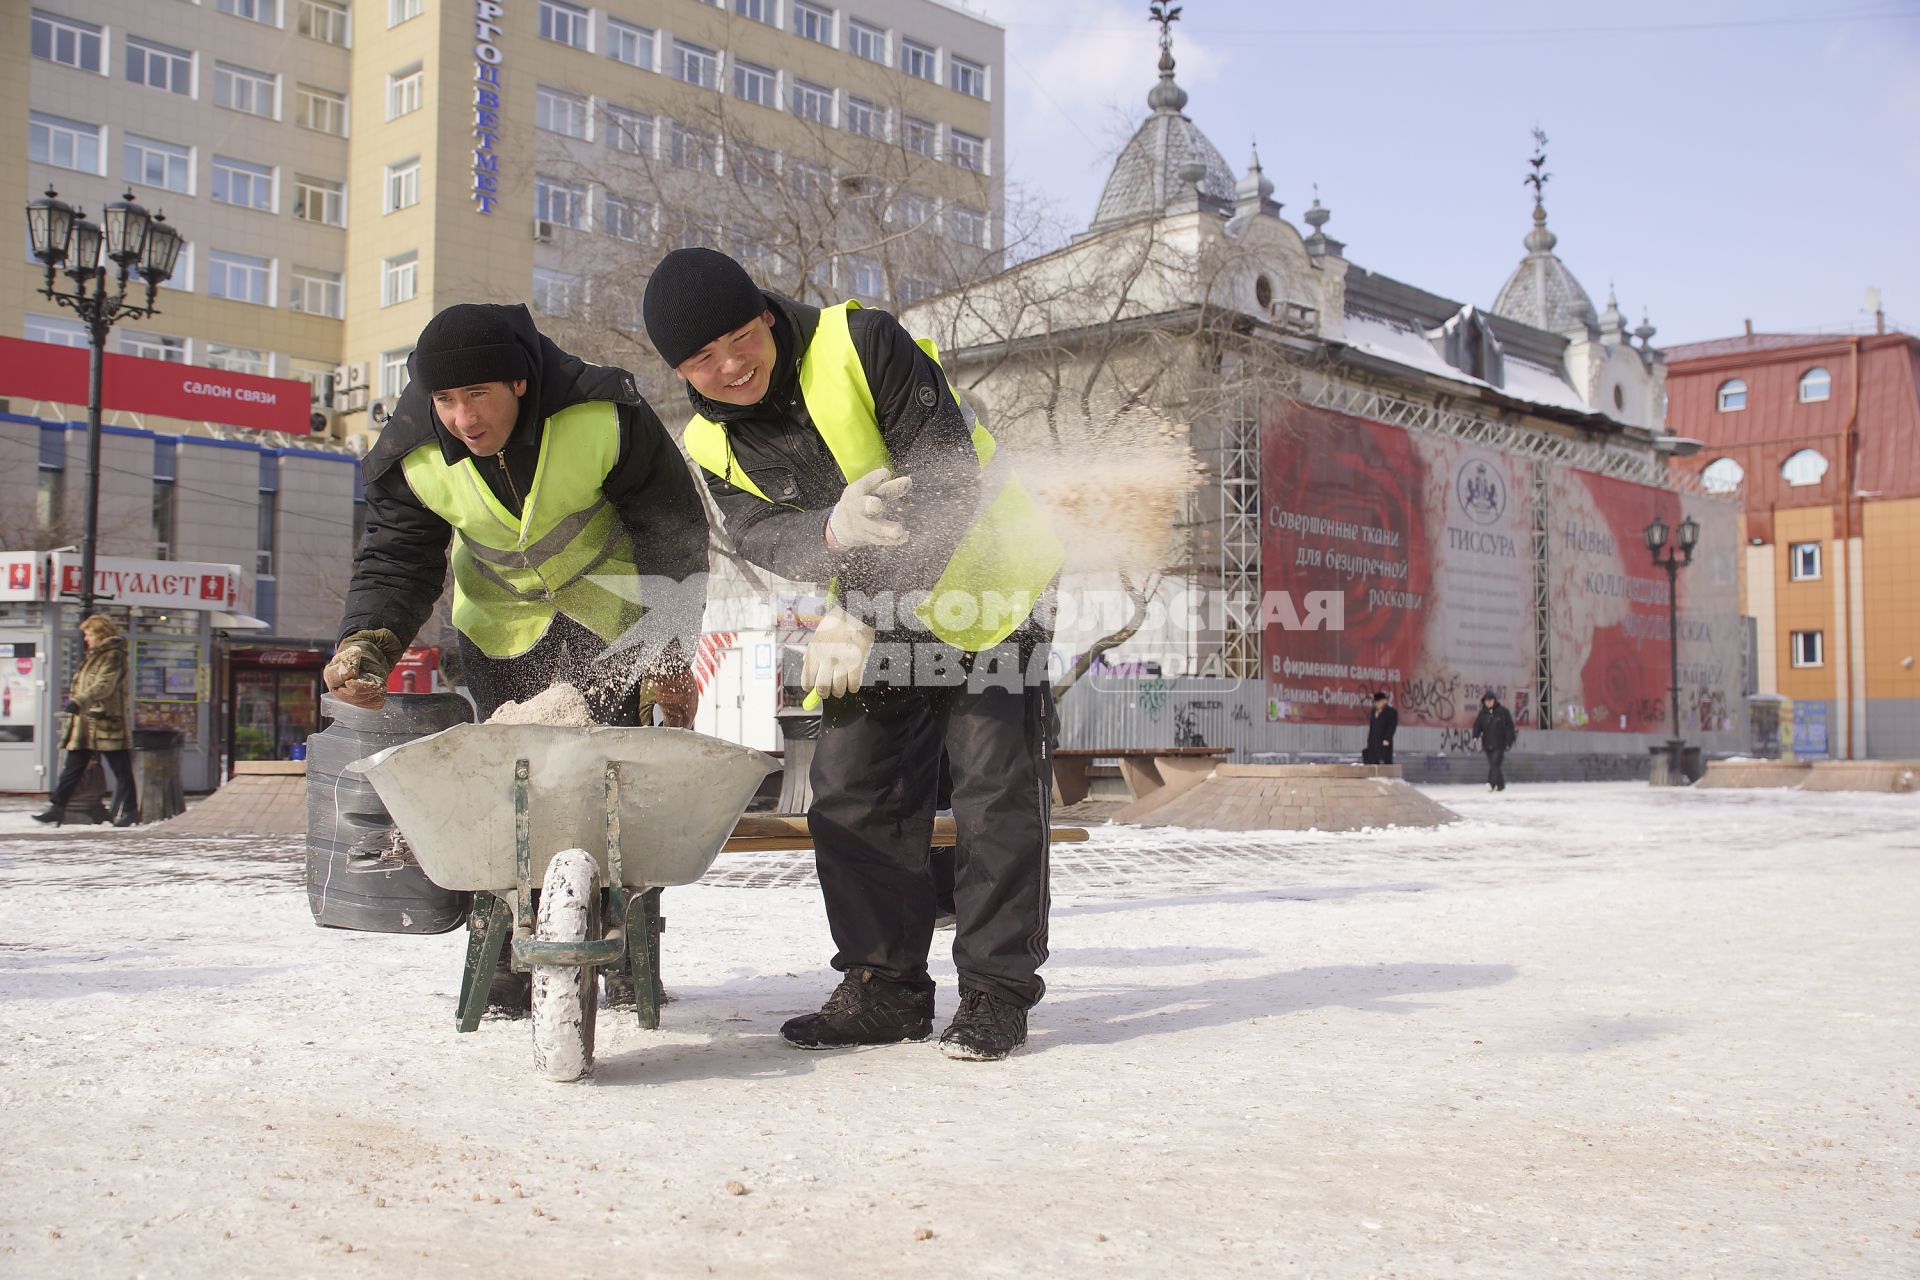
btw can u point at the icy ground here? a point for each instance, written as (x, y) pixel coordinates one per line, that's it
(1594, 1031)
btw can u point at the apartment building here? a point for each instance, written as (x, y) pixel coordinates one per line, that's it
(340, 172)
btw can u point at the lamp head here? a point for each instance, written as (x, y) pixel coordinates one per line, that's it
(161, 252)
(49, 225)
(126, 231)
(1656, 535)
(83, 255)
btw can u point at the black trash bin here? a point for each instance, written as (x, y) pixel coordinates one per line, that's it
(156, 773)
(358, 875)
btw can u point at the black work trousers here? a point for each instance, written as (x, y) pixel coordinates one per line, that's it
(875, 772)
(119, 766)
(568, 654)
(1496, 774)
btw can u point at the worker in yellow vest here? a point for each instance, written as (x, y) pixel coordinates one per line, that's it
(836, 451)
(571, 517)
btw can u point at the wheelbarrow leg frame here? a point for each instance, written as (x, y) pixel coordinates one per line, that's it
(493, 922)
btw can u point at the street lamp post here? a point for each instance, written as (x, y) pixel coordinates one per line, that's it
(135, 243)
(1673, 557)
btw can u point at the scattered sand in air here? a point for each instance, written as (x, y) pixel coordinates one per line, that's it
(1113, 488)
(559, 704)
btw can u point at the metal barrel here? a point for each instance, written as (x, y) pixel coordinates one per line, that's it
(359, 875)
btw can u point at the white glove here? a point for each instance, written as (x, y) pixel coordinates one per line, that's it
(836, 658)
(859, 519)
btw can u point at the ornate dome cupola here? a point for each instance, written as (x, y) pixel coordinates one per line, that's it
(1541, 291)
(1168, 166)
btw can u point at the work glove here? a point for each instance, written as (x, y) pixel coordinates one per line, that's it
(859, 519)
(835, 662)
(357, 675)
(677, 696)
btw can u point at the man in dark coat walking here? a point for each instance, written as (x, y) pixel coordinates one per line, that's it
(1493, 731)
(1381, 726)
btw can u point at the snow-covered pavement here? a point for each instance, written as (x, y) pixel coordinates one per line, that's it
(1593, 1030)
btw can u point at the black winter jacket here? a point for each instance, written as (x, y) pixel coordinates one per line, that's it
(1493, 728)
(776, 444)
(401, 563)
(1381, 726)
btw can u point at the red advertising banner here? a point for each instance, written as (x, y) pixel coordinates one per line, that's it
(43, 371)
(1426, 545)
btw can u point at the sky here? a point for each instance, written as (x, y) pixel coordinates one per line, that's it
(1715, 160)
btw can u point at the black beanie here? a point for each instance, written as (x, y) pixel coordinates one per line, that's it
(467, 344)
(695, 296)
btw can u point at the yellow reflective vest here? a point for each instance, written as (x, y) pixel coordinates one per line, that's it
(566, 552)
(1008, 556)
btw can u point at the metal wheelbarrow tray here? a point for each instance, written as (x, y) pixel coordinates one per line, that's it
(498, 809)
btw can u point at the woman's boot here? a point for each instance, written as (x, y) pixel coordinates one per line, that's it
(53, 814)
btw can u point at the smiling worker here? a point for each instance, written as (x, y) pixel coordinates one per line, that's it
(559, 491)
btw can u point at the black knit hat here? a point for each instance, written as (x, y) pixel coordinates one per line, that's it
(467, 344)
(695, 296)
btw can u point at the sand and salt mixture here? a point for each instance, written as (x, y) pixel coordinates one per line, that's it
(559, 704)
(1113, 488)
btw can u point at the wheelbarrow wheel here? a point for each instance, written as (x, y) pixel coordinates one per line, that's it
(566, 997)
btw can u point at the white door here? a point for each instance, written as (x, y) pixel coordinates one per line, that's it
(24, 719)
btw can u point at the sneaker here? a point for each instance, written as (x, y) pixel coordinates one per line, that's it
(986, 1029)
(864, 1009)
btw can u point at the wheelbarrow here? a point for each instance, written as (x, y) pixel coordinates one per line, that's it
(601, 818)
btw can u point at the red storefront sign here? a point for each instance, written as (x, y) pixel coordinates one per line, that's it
(414, 673)
(164, 584)
(21, 580)
(43, 371)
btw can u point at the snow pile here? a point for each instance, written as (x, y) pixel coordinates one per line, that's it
(559, 704)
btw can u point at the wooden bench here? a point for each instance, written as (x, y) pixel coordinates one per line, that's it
(1145, 770)
(762, 831)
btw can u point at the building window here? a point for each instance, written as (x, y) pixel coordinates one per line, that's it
(562, 113)
(810, 22)
(239, 277)
(405, 89)
(393, 373)
(319, 200)
(862, 118)
(266, 12)
(1803, 561)
(59, 331)
(1808, 648)
(242, 89)
(67, 41)
(555, 292)
(324, 21)
(968, 226)
(812, 102)
(1816, 384)
(238, 359)
(559, 203)
(753, 166)
(399, 11)
(913, 289)
(403, 184)
(323, 111)
(182, 278)
(66, 143)
(624, 221)
(163, 512)
(696, 65)
(919, 136)
(967, 151)
(629, 131)
(806, 181)
(399, 278)
(919, 61)
(239, 182)
(318, 293)
(864, 41)
(152, 163)
(691, 149)
(1722, 475)
(153, 346)
(159, 67)
(753, 84)
(1733, 395)
(564, 24)
(758, 10)
(915, 211)
(865, 279)
(269, 500)
(1804, 467)
(630, 44)
(967, 77)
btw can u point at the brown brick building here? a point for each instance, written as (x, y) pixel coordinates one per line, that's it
(1819, 436)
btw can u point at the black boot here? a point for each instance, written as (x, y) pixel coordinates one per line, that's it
(864, 1009)
(986, 1028)
(53, 815)
(124, 819)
